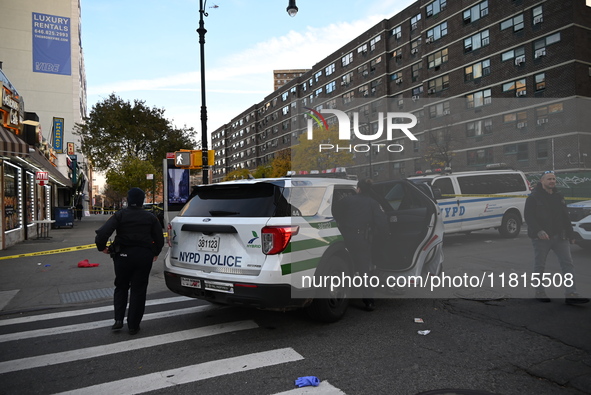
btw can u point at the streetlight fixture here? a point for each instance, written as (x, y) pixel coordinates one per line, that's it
(292, 10)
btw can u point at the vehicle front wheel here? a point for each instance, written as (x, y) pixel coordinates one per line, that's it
(510, 226)
(331, 305)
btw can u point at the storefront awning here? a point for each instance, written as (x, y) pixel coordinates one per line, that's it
(40, 160)
(11, 144)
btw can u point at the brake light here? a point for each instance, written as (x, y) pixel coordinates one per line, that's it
(276, 238)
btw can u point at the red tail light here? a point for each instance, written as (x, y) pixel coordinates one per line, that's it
(276, 238)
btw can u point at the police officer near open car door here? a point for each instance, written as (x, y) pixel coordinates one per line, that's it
(549, 227)
(138, 243)
(360, 219)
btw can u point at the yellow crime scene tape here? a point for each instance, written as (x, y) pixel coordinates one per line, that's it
(58, 251)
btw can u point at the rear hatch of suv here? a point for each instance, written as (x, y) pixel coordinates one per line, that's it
(220, 229)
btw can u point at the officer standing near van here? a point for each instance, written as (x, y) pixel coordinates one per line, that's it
(549, 227)
(360, 218)
(138, 243)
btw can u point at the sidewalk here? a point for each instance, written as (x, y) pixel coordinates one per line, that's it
(55, 280)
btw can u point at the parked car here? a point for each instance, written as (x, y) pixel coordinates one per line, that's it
(479, 200)
(580, 216)
(252, 242)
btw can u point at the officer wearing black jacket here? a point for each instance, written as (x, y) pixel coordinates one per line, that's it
(138, 243)
(549, 228)
(361, 220)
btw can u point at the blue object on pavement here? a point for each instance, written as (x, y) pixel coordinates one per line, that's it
(307, 380)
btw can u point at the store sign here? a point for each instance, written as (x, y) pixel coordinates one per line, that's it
(11, 109)
(42, 177)
(71, 149)
(58, 135)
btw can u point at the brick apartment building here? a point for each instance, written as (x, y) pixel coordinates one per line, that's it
(503, 81)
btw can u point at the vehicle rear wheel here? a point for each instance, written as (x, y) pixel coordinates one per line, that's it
(510, 226)
(330, 306)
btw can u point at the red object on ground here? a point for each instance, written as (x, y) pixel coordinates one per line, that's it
(85, 263)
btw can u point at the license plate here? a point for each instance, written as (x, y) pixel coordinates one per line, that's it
(190, 282)
(219, 287)
(208, 243)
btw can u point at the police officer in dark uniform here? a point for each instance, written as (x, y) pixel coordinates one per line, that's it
(360, 219)
(138, 243)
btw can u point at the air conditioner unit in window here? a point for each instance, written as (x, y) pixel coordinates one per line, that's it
(540, 52)
(446, 112)
(538, 19)
(401, 102)
(365, 94)
(431, 91)
(542, 121)
(399, 81)
(413, 26)
(365, 73)
(415, 98)
(414, 51)
(521, 93)
(519, 61)
(430, 39)
(521, 125)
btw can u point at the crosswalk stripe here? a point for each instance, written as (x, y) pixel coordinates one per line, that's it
(189, 374)
(325, 388)
(72, 313)
(99, 324)
(119, 347)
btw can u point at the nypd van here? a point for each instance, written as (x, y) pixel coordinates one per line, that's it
(478, 200)
(255, 242)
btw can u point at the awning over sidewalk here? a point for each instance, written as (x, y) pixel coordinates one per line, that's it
(39, 160)
(11, 144)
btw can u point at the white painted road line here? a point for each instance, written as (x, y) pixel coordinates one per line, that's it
(325, 388)
(99, 324)
(190, 374)
(123, 346)
(73, 313)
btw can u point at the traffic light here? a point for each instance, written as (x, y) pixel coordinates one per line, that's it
(192, 159)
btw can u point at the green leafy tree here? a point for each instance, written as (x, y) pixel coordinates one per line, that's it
(307, 156)
(281, 164)
(116, 131)
(263, 171)
(132, 174)
(237, 175)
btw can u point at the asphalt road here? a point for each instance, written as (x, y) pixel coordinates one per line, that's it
(480, 339)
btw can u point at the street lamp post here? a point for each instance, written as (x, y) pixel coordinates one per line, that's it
(292, 10)
(204, 147)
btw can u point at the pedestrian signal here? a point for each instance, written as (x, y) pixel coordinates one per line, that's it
(192, 159)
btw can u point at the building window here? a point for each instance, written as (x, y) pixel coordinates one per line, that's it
(362, 49)
(418, 91)
(284, 110)
(348, 97)
(438, 84)
(348, 58)
(479, 128)
(521, 150)
(364, 91)
(439, 110)
(397, 32)
(373, 64)
(414, 46)
(517, 53)
(397, 54)
(476, 41)
(415, 71)
(346, 79)
(437, 32)
(437, 58)
(476, 12)
(331, 87)
(537, 15)
(329, 69)
(542, 149)
(317, 76)
(414, 21)
(540, 81)
(436, 7)
(477, 70)
(540, 45)
(518, 86)
(516, 22)
(480, 157)
(479, 99)
(373, 42)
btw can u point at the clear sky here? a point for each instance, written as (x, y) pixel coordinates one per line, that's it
(149, 49)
